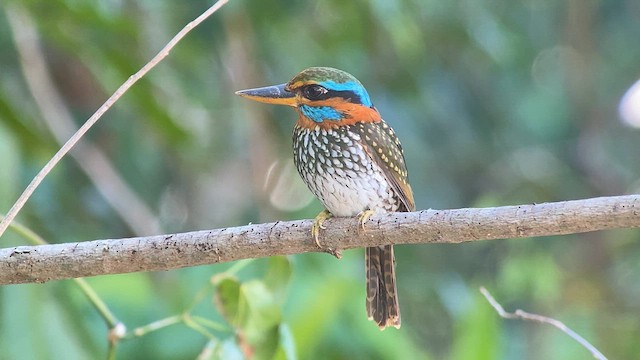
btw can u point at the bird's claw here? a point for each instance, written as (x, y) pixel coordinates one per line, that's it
(315, 231)
(364, 216)
(318, 225)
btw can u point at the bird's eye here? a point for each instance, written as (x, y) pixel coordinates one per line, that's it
(314, 92)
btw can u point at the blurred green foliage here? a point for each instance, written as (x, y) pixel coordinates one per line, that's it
(497, 102)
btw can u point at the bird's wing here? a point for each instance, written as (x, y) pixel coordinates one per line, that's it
(382, 145)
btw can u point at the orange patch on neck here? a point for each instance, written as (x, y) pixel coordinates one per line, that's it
(353, 113)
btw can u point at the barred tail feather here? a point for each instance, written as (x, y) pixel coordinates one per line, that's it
(382, 294)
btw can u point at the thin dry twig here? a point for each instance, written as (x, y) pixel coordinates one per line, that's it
(55, 113)
(24, 264)
(523, 315)
(17, 206)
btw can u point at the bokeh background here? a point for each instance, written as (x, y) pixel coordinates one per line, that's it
(496, 102)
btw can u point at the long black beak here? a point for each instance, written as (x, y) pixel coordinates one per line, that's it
(275, 94)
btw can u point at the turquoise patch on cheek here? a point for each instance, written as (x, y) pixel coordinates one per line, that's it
(320, 113)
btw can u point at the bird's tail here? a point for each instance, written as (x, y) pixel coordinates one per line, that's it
(382, 295)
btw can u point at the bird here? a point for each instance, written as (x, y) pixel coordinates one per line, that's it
(352, 161)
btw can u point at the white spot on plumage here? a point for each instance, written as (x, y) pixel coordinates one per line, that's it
(348, 163)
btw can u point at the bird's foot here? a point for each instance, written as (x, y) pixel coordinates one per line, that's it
(318, 225)
(315, 231)
(364, 216)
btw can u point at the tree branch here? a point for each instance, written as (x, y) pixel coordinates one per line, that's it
(24, 264)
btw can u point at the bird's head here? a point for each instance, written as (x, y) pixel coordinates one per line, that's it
(323, 96)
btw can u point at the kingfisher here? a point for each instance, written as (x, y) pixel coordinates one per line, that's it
(352, 161)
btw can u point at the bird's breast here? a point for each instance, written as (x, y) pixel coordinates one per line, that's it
(335, 167)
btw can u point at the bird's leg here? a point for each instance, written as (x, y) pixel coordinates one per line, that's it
(315, 230)
(317, 225)
(364, 216)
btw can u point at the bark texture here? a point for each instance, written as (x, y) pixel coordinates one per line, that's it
(28, 264)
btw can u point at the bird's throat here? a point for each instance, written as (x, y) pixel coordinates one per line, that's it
(320, 113)
(331, 117)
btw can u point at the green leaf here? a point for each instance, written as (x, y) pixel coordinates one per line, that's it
(278, 276)
(260, 303)
(263, 317)
(251, 309)
(227, 300)
(265, 343)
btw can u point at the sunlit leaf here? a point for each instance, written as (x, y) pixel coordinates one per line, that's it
(278, 275)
